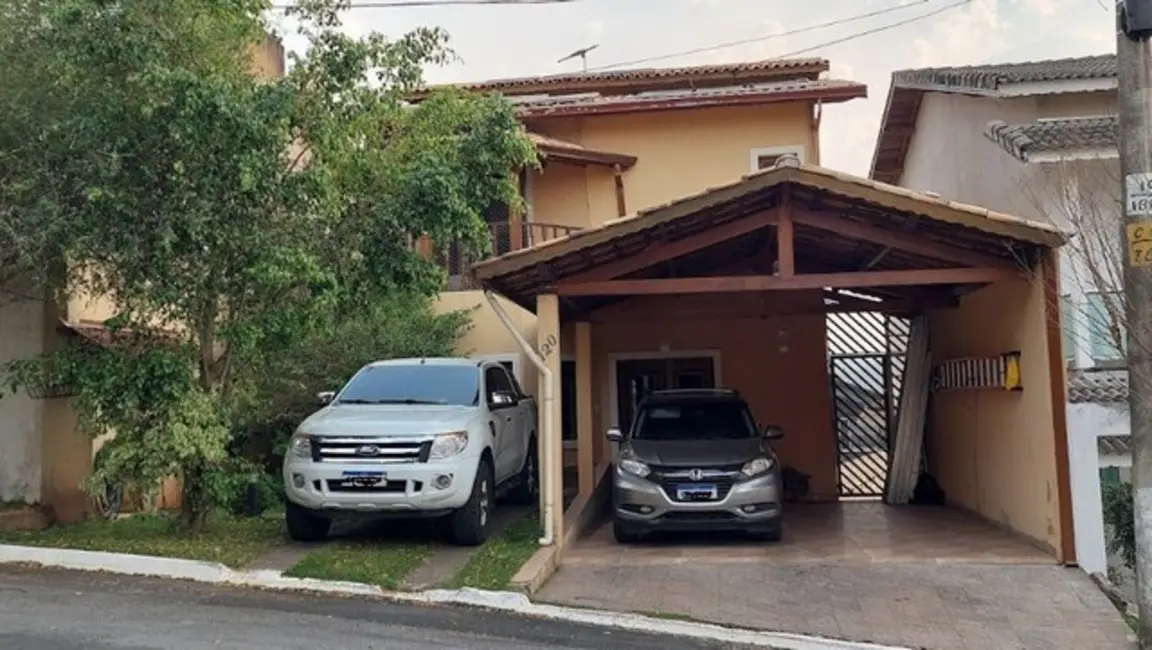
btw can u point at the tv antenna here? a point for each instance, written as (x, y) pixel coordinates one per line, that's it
(582, 53)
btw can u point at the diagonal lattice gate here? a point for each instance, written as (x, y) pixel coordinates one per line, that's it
(866, 357)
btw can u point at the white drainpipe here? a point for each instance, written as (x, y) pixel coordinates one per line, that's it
(546, 435)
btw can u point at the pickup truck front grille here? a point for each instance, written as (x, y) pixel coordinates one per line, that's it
(327, 449)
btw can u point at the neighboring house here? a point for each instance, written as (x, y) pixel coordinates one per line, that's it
(43, 457)
(1037, 139)
(616, 142)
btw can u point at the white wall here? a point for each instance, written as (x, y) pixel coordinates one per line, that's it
(1087, 422)
(21, 336)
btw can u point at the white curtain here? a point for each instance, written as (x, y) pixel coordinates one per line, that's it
(907, 450)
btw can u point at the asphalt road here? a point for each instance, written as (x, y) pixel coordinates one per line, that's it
(58, 610)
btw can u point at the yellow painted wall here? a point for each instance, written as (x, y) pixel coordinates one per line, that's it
(488, 335)
(679, 153)
(994, 452)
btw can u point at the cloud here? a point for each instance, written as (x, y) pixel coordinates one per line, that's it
(970, 35)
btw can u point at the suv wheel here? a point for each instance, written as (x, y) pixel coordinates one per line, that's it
(623, 534)
(527, 490)
(471, 522)
(304, 526)
(773, 534)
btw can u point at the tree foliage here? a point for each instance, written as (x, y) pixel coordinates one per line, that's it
(245, 216)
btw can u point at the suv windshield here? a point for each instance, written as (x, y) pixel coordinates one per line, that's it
(413, 384)
(720, 420)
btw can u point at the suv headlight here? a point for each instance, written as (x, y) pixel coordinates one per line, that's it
(300, 445)
(447, 445)
(758, 466)
(635, 468)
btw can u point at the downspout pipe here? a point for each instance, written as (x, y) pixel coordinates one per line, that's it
(546, 436)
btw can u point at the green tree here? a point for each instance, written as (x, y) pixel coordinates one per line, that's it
(242, 215)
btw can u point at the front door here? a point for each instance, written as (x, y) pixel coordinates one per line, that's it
(635, 378)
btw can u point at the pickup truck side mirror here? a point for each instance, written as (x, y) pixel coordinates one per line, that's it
(326, 396)
(502, 399)
(773, 432)
(615, 434)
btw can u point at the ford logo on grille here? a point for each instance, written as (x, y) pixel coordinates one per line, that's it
(368, 450)
(696, 474)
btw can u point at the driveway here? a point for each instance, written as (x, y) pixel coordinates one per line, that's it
(922, 578)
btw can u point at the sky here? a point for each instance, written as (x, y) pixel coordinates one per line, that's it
(502, 41)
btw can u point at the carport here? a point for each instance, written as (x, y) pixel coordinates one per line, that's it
(738, 286)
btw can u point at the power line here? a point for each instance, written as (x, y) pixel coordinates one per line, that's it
(757, 39)
(845, 39)
(440, 3)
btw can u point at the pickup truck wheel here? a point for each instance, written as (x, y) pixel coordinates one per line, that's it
(303, 526)
(470, 523)
(527, 490)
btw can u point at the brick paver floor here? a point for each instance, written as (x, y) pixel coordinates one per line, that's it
(849, 583)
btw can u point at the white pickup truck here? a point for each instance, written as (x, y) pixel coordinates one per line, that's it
(429, 437)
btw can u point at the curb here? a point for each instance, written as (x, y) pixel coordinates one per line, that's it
(504, 601)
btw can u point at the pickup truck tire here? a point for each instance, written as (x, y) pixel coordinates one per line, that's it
(527, 489)
(471, 522)
(303, 526)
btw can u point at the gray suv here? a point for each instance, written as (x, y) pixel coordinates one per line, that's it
(695, 460)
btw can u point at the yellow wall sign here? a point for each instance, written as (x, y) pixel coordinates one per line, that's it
(1140, 243)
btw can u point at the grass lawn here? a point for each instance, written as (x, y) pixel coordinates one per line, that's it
(383, 563)
(228, 540)
(497, 560)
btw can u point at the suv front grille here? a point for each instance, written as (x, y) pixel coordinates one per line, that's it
(723, 477)
(327, 449)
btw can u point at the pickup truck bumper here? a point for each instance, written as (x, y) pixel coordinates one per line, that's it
(415, 489)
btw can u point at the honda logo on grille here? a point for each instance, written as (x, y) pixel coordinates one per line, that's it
(696, 474)
(368, 450)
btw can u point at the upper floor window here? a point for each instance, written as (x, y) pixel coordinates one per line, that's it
(1104, 331)
(765, 157)
(1067, 321)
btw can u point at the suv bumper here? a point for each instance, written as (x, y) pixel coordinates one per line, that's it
(410, 488)
(753, 505)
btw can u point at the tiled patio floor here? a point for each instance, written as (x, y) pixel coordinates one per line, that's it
(917, 577)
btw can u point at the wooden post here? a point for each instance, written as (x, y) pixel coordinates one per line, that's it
(585, 445)
(618, 176)
(785, 243)
(552, 464)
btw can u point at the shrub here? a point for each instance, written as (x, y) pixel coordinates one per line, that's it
(1118, 514)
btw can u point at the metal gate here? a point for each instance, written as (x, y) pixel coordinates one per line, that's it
(866, 358)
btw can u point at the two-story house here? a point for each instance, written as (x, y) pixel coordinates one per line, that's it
(682, 234)
(1037, 139)
(616, 142)
(43, 456)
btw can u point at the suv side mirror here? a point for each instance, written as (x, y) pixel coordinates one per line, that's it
(773, 432)
(325, 397)
(615, 434)
(502, 398)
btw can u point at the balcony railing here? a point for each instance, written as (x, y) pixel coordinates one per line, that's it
(507, 236)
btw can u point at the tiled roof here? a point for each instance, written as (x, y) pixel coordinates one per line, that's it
(1022, 140)
(561, 82)
(992, 76)
(1114, 445)
(563, 149)
(1098, 387)
(908, 87)
(592, 103)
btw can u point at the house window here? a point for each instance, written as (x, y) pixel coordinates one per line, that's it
(568, 399)
(1067, 319)
(1101, 336)
(765, 157)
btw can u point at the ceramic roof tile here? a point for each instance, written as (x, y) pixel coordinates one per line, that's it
(992, 76)
(1098, 387)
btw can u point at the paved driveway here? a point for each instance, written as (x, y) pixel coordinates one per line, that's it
(930, 578)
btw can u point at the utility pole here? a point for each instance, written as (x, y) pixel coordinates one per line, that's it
(1134, 93)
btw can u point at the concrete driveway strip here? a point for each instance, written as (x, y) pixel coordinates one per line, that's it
(57, 610)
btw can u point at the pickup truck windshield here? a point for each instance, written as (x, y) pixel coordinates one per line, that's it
(695, 421)
(414, 384)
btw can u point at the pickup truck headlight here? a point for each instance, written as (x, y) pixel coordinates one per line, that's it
(447, 445)
(758, 466)
(300, 445)
(635, 468)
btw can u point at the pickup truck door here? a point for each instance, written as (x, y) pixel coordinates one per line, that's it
(503, 423)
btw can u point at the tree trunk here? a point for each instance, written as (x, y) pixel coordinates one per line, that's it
(193, 502)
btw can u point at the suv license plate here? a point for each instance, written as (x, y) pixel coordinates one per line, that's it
(698, 492)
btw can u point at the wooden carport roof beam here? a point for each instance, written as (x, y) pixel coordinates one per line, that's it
(905, 242)
(731, 284)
